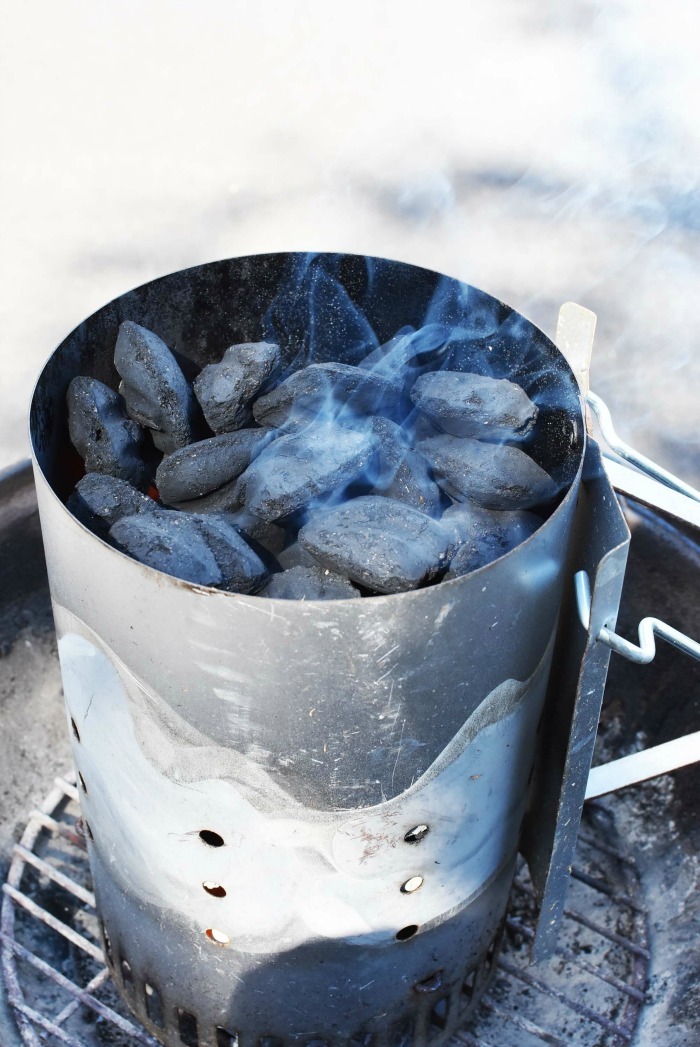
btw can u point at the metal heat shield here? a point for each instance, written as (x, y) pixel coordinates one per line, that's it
(569, 724)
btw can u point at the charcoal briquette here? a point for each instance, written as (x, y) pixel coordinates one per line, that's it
(242, 570)
(203, 467)
(295, 555)
(157, 393)
(98, 501)
(107, 440)
(270, 535)
(379, 543)
(204, 550)
(300, 467)
(475, 405)
(226, 389)
(403, 473)
(169, 542)
(482, 535)
(309, 583)
(328, 391)
(492, 476)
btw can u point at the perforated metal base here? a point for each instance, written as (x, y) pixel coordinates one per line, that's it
(589, 995)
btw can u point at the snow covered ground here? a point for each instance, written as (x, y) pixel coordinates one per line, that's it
(544, 150)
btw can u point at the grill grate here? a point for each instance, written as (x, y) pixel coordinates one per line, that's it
(590, 994)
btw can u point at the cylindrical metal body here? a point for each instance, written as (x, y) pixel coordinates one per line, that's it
(303, 816)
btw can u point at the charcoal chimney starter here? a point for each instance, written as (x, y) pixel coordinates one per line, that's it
(303, 817)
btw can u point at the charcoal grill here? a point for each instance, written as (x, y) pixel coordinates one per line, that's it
(446, 997)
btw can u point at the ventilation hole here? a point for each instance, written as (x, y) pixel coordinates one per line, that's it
(154, 1004)
(211, 838)
(438, 1015)
(83, 786)
(224, 1038)
(469, 983)
(187, 1028)
(430, 984)
(214, 888)
(127, 975)
(88, 830)
(406, 932)
(76, 732)
(417, 833)
(412, 885)
(217, 936)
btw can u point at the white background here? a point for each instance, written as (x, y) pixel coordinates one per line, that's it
(542, 149)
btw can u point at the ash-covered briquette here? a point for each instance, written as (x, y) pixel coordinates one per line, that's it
(107, 440)
(331, 390)
(300, 467)
(492, 476)
(265, 533)
(203, 467)
(309, 583)
(378, 542)
(403, 473)
(482, 535)
(98, 501)
(329, 433)
(225, 390)
(295, 555)
(204, 550)
(157, 393)
(475, 405)
(241, 568)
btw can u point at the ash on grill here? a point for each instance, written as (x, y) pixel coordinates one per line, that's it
(384, 476)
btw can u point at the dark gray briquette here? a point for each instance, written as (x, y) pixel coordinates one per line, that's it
(242, 570)
(157, 393)
(493, 476)
(204, 550)
(98, 501)
(225, 499)
(270, 535)
(202, 467)
(309, 583)
(380, 543)
(403, 473)
(295, 555)
(475, 405)
(169, 542)
(482, 535)
(300, 467)
(226, 389)
(328, 391)
(107, 440)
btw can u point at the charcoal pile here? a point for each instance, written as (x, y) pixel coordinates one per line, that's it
(321, 482)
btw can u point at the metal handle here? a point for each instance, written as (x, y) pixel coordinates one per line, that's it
(646, 651)
(602, 413)
(659, 759)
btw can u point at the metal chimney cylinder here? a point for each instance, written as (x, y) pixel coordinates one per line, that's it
(303, 817)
